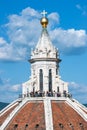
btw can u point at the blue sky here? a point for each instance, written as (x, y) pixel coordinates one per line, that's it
(20, 31)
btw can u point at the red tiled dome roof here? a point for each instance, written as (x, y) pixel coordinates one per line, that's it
(31, 116)
(64, 114)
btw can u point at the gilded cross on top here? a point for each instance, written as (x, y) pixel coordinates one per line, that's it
(44, 13)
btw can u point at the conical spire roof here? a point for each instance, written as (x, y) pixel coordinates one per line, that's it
(44, 42)
(44, 47)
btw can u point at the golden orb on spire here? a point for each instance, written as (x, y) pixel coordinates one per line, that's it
(44, 20)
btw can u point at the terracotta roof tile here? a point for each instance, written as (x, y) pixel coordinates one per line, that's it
(66, 117)
(30, 116)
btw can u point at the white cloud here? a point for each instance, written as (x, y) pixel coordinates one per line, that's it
(77, 90)
(3, 82)
(73, 84)
(9, 92)
(54, 17)
(70, 41)
(2, 41)
(24, 30)
(83, 9)
(70, 37)
(16, 87)
(30, 12)
(5, 85)
(53, 20)
(78, 7)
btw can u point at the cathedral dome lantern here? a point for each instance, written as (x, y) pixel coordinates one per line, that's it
(45, 65)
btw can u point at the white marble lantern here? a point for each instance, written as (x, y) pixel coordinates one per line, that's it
(45, 66)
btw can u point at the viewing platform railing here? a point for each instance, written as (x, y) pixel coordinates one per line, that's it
(45, 94)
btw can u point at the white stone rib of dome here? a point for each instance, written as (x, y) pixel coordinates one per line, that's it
(80, 105)
(77, 109)
(48, 114)
(9, 107)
